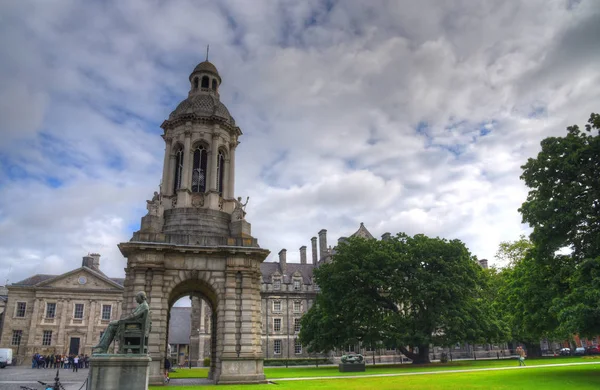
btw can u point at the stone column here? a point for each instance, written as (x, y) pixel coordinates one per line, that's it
(165, 189)
(186, 177)
(231, 186)
(157, 348)
(34, 322)
(60, 340)
(89, 339)
(315, 257)
(226, 193)
(214, 154)
(171, 176)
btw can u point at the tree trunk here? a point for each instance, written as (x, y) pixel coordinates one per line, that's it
(533, 349)
(418, 358)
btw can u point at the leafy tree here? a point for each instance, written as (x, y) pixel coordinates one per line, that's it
(409, 291)
(563, 207)
(525, 295)
(563, 204)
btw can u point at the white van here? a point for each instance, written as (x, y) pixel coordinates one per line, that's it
(5, 357)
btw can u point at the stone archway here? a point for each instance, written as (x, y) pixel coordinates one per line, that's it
(227, 277)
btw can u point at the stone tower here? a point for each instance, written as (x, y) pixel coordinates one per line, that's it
(195, 240)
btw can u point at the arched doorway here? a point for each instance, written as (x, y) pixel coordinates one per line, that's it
(202, 329)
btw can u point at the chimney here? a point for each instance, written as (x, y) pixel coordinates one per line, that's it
(282, 261)
(483, 263)
(322, 243)
(91, 261)
(386, 236)
(303, 254)
(313, 241)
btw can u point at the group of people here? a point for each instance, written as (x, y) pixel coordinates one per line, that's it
(60, 361)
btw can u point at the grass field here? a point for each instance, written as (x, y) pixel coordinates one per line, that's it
(547, 378)
(444, 376)
(305, 372)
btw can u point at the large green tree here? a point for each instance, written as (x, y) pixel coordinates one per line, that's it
(563, 207)
(525, 293)
(409, 291)
(563, 204)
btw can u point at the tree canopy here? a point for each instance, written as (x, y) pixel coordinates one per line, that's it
(563, 208)
(407, 291)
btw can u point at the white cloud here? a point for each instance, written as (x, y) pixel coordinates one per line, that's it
(329, 97)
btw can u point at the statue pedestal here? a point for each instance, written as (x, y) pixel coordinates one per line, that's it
(351, 367)
(118, 372)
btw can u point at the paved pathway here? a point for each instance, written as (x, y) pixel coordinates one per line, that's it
(12, 378)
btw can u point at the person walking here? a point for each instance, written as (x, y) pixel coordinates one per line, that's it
(167, 368)
(76, 363)
(522, 356)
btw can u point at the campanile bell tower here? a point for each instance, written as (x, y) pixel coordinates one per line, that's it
(195, 240)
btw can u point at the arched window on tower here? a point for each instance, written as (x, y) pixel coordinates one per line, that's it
(196, 83)
(220, 172)
(205, 82)
(199, 169)
(214, 84)
(178, 169)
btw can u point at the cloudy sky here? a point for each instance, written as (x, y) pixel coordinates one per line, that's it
(410, 116)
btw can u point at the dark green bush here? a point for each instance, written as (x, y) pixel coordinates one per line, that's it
(206, 362)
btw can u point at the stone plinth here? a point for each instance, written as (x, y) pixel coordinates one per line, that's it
(118, 372)
(351, 367)
(242, 371)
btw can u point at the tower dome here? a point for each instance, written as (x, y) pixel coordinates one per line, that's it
(206, 66)
(203, 99)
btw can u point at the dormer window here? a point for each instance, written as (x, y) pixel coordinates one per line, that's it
(276, 284)
(296, 284)
(214, 84)
(205, 82)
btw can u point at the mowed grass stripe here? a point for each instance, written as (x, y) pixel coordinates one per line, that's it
(551, 377)
(305, 372)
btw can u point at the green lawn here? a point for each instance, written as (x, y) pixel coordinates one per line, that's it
(305, 372)
(547, 378)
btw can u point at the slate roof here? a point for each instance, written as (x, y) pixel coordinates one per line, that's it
(269, 268)
(33, 280)
(39, 278)
(180, 325)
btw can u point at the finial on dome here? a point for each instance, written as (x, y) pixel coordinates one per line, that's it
(207, 46)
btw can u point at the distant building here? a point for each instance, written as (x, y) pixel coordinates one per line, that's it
(3, 299)
(62, 314)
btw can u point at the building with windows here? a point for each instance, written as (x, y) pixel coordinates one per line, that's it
(61, 314)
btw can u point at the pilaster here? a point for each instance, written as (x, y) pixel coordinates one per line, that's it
(165, 189)
(214, 154)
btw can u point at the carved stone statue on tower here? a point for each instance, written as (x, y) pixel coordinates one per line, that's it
(239, 213)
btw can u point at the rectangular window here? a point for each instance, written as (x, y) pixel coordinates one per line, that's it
(78, 313)
(277, 324)
(21, 308)
(106, 312)
(277, 347)
(277, 306)
(296, 324)
(277, 284)
(47, 338)
(350, 348)
(50, 310)
(297, 347)
(16, 339)
(296, 285)
(297, 306)
(457, 346)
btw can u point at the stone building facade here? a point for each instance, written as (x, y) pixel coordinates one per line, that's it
(61, 314)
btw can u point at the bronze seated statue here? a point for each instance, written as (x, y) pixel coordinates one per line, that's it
(131, 331)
